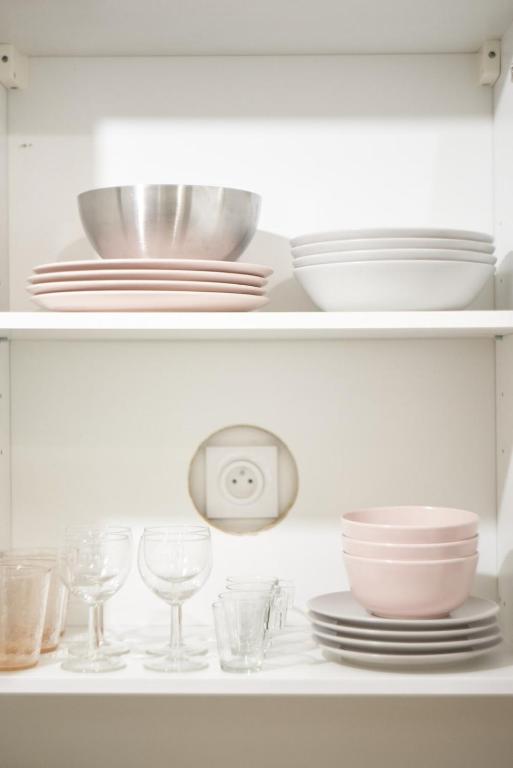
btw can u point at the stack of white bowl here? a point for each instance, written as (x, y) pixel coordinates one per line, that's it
(411, 571)
(162, 248)
(393, 269)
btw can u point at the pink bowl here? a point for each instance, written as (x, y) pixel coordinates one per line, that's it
(402, 589)
(410, 525)
(382, 551)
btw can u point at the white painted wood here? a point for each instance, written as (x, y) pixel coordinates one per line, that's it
(127, 27)
(311, 675)
(5, 445)
(505, 478)
(252, 325)
(329, 142)
(503, 174)
(106, 431)
(4, 228)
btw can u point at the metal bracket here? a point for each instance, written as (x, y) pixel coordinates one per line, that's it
(14, 67)
(490, 62)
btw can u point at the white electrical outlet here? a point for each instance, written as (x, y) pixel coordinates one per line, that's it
(242, 482)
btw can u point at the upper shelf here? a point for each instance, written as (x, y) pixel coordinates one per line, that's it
(253, 325)
(200, 27)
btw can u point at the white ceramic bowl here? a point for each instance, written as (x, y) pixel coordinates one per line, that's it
(388, 232)
(410, 525)
(393, 254)
(394, 285)
(407, 589)
(385, 551)
(402, 243)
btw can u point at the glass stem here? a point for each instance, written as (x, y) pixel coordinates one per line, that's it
(99, 624)
(93, 633)
(175, 640)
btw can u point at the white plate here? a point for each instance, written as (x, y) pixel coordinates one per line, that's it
(407, 646)
(148, 301)
(415, 660)
(143, 285)
(392, 242)
(394, 254)
(341, 606)
(204, 264)
(406, 634)
(364, 234)
(397, 285)
(149, 274)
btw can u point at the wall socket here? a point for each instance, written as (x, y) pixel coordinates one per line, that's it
(242, 482)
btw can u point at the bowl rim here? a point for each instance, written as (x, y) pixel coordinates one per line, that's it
(394, 262)
(422, 563)
(473, 519)
(121, 187)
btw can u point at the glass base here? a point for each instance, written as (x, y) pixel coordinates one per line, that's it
(187, 648)
(175, 664)
(93, 664)
(107, 648)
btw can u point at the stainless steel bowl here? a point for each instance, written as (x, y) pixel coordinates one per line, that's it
(166, 221)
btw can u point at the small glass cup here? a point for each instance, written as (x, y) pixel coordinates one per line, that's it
(57, 593)
(240, 620)
(23, 597)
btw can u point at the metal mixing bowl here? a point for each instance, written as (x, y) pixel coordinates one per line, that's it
(166, 221)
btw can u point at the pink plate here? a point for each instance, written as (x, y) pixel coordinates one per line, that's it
(142, 285)
(203, 264)
(148, 301)
(149, 274)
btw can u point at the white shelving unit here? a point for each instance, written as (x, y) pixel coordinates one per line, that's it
(101, 413)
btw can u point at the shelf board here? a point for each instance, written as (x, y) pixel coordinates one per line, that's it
(252, 325)
(306, 675)
(156, 28)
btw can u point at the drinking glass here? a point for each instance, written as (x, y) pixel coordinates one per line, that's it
(94, 567)
(240, 620)
(57, 593)
(108, 645)
(174, 562)
(23, 596)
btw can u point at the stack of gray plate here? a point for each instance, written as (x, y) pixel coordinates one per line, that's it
(345, 630)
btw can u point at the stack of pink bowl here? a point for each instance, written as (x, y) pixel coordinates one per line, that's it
(410, 562)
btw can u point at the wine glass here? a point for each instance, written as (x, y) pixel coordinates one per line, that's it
(174, 562)
(107, 644)
(94, 567)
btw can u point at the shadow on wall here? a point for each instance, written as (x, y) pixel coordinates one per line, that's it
(284, 291)
(504, 283)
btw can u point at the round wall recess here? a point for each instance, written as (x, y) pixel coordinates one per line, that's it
(243, 479)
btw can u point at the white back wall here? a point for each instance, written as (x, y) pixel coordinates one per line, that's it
(106, 431)
(329, 142)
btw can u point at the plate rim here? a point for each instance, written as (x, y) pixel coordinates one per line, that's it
(369, 619)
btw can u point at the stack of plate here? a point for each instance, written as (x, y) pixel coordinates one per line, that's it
(159, 285)
(345, 630)
(393, 269)
(163, 248)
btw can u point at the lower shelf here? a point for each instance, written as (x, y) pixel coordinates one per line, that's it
(307, 674)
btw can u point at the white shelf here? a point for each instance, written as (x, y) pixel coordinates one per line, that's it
(253, 325)
(307, 675)
(156, 28)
